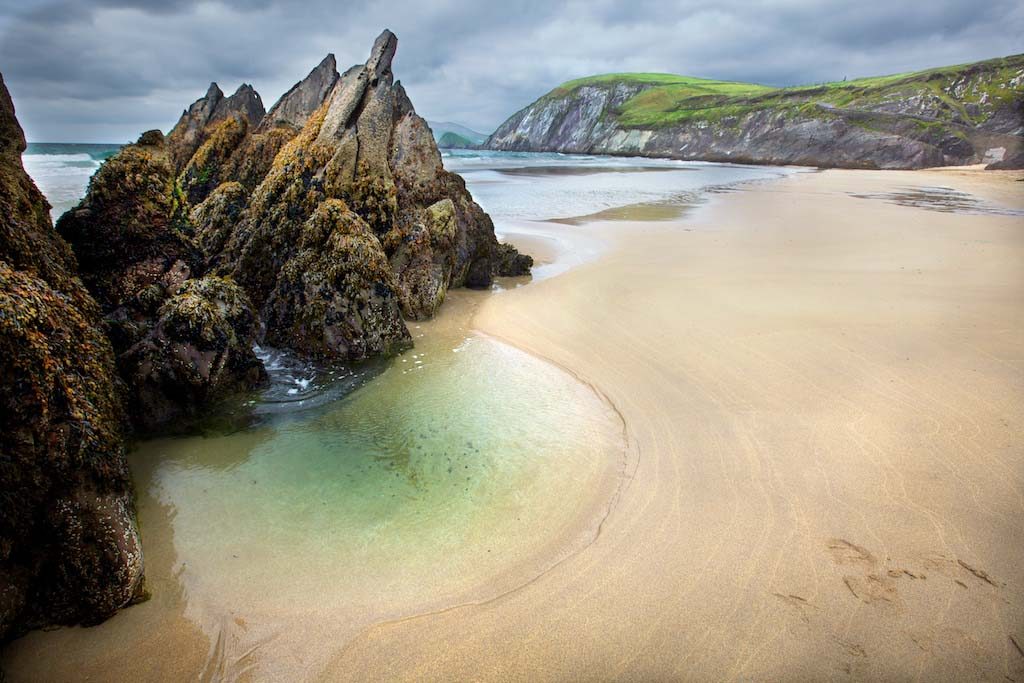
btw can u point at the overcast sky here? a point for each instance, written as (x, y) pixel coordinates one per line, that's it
(105, 70)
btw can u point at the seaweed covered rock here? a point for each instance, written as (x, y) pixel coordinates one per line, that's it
(133, 237)
(69, 548)
(511, 263)
(130, 235)
(336, 297)
(422, 258)
(209, 165)
(199, 351)
(215, 218)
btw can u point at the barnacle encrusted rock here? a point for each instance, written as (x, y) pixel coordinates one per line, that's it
(336, 297)
(199, 350)
(135, 242)
(69, 548)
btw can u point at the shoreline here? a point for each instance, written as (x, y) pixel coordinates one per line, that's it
(778, 568)
(629, 603)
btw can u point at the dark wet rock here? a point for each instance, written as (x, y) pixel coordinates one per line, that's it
(69, 548)
(215, 218)
(138, 254)
(195, 124)
(199, 351)
(511, 263)
(336, 297)
(130, 236)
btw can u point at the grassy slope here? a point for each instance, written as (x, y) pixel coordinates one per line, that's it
(672, 99)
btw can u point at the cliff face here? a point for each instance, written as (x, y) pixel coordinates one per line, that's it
(69, 549)
(948, 116)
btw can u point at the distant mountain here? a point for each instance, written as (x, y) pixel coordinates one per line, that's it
(967, 114)
(439, 128)
(452, 140)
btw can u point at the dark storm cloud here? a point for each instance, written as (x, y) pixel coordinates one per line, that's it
(108, 69)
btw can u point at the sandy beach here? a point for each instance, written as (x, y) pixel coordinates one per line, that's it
(821, 383)
(824, 396)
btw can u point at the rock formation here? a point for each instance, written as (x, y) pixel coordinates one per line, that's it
(957, 115)
(133, 237)
(365, 151)
(69, 548)
(196, 122)
(332, 212)
(315, 227)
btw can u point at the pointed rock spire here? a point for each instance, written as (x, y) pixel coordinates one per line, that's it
(305, 97)
(379, 64)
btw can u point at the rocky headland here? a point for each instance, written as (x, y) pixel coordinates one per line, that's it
(957, 115)
(319, 226)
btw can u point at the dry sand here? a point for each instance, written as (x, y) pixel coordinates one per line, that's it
(825, 398)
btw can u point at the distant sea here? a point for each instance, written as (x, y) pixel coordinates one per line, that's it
(62, 169)
(509, 185)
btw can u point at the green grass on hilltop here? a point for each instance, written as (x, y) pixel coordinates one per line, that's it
(670, 99)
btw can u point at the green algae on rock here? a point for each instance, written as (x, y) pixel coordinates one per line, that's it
(133, 236)
(69, 548)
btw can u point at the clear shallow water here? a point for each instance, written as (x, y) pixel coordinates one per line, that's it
(462, 470)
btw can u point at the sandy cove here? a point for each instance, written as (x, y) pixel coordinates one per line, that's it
(824, 398)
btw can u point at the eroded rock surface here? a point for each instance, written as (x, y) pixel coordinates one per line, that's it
(69, 548)
(135, 242)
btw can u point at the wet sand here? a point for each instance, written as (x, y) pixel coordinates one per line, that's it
(825, 397)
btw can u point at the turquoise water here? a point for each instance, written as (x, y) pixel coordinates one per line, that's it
(464, 468)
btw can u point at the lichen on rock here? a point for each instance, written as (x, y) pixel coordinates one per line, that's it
(69, 548)
(199, 350)
(336, 297)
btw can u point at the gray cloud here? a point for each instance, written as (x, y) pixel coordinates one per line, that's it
(108, 69)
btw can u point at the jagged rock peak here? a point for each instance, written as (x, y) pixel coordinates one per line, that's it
(379, 64)
(305, 97)
(245, 101)
(194, 125)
